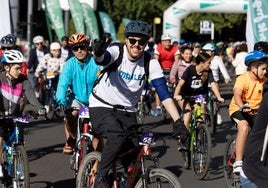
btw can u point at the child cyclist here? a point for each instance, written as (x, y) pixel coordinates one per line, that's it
(194, 81)
(247, 96)
(13, 85)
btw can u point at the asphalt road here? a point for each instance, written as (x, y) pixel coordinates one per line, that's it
(49, 167)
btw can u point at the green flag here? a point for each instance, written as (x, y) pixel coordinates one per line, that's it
(107, 24)
(77, 15)
(90, 21)
(55, 17)
(257, 22)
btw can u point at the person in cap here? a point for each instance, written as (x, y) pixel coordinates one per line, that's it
(166, 54)
(50, 65)
(35, 56)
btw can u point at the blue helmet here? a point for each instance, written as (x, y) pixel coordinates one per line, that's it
(255, 56)
(209, 46)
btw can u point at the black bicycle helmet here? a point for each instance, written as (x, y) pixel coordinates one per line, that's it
(8, 41)
(255, 56)
(139, 28)
(65, 38)
(261, 46)
(186, 46)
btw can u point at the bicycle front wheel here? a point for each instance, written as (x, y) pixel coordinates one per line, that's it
(232, 180)
(160, 178)
(87, 171)
(201, 152)
(21, 168)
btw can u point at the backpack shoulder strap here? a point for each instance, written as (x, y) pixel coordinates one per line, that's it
(147, 59)
(116, 63)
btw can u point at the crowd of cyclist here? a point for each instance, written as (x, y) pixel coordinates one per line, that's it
(75, 64)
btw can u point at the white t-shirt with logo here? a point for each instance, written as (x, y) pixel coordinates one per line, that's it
(124, 86)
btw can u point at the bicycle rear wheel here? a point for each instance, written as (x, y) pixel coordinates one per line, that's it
(160, 178)
(87, 170)
(21, 168)
(232, 180)
(201, 151)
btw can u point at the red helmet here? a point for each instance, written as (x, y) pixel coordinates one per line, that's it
(78, 38)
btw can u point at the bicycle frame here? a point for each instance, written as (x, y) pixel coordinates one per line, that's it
(16, 138)
(144, 149)
(83, 135)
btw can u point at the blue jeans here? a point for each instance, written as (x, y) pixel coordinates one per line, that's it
(246, 183)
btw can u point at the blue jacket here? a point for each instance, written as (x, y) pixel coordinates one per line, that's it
(79, 78)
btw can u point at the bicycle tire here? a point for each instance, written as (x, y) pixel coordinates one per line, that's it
(232, 180)
(21, 168)
(52, 104)
(211, 119)
(84, 177)
(201, 152)
(85, 144)
(159, 177)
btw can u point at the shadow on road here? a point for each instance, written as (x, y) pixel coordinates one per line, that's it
(35, 154)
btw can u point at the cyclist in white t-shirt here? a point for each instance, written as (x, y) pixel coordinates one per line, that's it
(113, 99)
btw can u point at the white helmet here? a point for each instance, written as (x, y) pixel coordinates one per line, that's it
(165, 37)
(55, 46)
(12, 56)
(38, 39)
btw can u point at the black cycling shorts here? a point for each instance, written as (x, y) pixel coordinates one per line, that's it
(238, 116)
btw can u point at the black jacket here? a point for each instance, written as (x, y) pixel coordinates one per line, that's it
(33, 60)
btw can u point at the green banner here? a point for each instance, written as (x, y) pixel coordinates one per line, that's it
(77, 15)
(90, 21)
(107, 24)
(259, 19)
(55, 17)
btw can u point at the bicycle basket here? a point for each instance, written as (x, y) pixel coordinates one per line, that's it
(147, 138)
(84, 112)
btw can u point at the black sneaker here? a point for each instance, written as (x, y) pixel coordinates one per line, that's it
(101, 182)
(182, 146)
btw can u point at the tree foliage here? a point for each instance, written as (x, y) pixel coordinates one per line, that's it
(192, 21)
(145, 10)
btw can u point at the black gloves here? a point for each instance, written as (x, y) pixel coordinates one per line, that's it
(100, 46)
(180, 130)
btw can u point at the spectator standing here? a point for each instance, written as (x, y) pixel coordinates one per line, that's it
(66, 51)
(197, 48)
(239, 60)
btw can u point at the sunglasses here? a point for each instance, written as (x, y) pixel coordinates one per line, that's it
(141, 42)
(81, 47)
(5, 48)
(40, 43)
